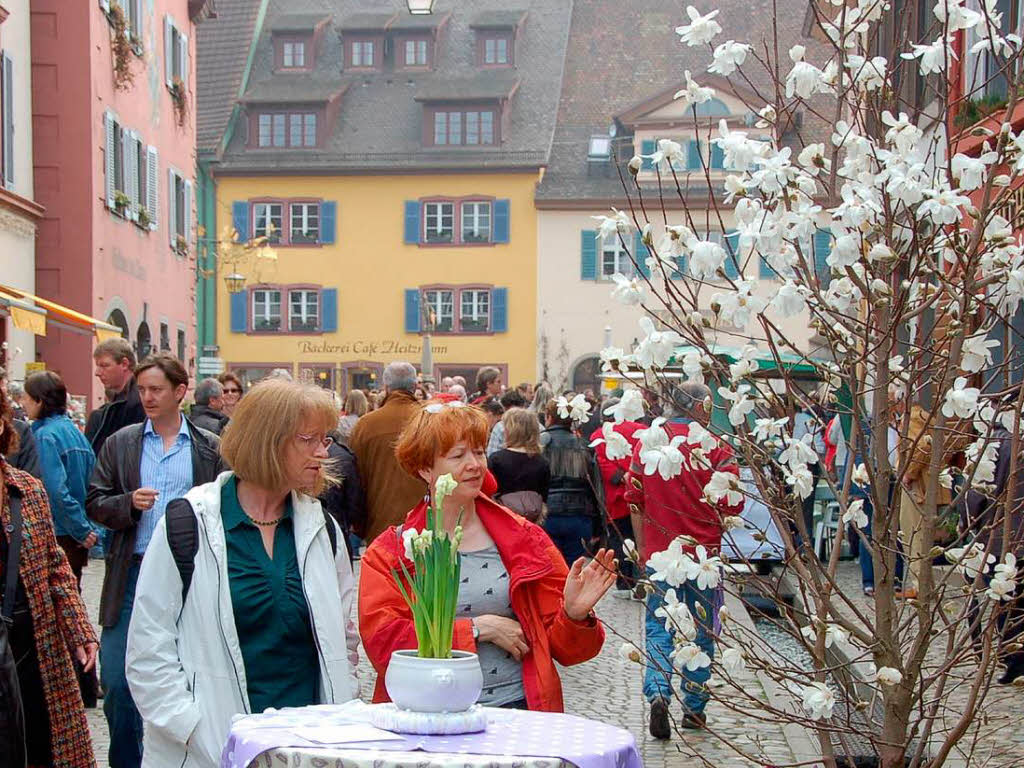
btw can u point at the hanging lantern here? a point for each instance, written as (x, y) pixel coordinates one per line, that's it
(235, 282)
(420, 7)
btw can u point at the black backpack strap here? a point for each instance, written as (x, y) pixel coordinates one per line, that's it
(13, 554)
(332, 531)
(183, 539)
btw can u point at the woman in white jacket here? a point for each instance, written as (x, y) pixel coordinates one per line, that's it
(256, 612)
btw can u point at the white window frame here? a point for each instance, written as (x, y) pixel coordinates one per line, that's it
(179, 209)
(473, 212)
(418, 49)
(7, 134)
(293, 54)
(611, 244)
(306, 211)
(176, 53)
(259, 229)
(267, 304)
(491, 50)
(434, 298)
(433, 221)
(480, 303)
(304, 315)
(363, 53)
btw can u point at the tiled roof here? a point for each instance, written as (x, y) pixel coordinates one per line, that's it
(380, 123)
(366, 21)
(419, 21)
(499, 19)
(488, 84)
(223, 47)
(298, 22)
(293, 88)
(621, 54)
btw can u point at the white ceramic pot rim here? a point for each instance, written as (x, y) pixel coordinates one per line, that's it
(457, 656)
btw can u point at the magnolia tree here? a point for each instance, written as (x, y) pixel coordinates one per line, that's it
(911, 313)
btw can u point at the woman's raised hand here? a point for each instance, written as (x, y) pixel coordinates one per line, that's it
(587, 583)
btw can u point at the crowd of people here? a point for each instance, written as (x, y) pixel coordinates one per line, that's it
(230, 528)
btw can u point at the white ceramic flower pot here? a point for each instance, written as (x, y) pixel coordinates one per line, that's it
(434, 685)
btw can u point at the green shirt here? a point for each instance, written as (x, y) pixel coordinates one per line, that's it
(271, 616)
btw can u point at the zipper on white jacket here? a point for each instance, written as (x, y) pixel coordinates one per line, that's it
(223, 634)
(312, 619)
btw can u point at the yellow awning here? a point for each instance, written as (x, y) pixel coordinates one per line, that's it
(67, 317)
(24, 315)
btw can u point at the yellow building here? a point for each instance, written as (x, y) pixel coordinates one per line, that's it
(399, 194)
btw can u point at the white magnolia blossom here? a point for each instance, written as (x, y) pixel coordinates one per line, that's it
(799, 453)
(953, 14)
(693, 365)
(727, 57)
(868, 74)
(629, 408)
(855, 514)
(944, 206)
(971, 560)
(694, 93)
(657, 347)
(701, 442)
(932, 57)
(629, 549)
(616, 224)
(733, 523)
(790, 299)
(610, 356)
(705, 570)
(578, 409)
(739, 150)
(902, 133)
(768, 429)
(833, 634)
(691, 657)
(737, 305)
(706, 258)
(977, 352)
(889, 676)
(668, 154)
(723, 486)
(802, 481)
(860, 476)
(741, 403)
(969, 172)
(961, 401)
(804, 79)
(616, 445)
(677, 616)
(628, 291)
(1004, 582)
(701, 29)
(665, 459)
(733, 661)
(818, 701)
(629, 653)
(746, 365)
(669, 565)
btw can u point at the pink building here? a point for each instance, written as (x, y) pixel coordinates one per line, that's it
(114, 133)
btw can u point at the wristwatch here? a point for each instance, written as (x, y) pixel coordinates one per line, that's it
(476, 630)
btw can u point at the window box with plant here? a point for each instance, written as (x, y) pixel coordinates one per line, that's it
(122, 47)
(142, 218)
(180, 245)
(180, 100)
(122, 203)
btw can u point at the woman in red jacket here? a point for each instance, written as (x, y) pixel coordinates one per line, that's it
(519, 608)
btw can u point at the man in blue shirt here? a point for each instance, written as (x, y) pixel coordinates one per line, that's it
(140, 469)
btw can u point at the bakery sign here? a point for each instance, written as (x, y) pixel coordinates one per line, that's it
(382, 347)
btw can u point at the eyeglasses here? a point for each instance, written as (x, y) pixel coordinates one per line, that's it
(232, 391)
(311, 442)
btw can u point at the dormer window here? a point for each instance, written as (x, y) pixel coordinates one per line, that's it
(296, 37)
(466, 112)
(462, 127)
(362, 37)
(413, 53)
(496, 33)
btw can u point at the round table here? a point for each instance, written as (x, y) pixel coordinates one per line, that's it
(302, 738)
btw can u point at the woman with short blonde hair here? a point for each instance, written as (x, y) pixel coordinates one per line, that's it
(522, 430)
(356, 406)
(278, 625)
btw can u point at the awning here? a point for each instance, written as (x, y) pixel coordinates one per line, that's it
(24, 315)
(60, 316)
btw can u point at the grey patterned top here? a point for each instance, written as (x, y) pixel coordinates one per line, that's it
(484, 590)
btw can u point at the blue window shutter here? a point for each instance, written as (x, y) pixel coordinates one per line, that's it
(640, 253)
(412, 310)
(693, 155)
(328, 221)
(717, 158)
(731, 243)
(499, 310)
(647, 147)
(765, 271)
(239, 311)
(240, 219)
(588, 254)
(329, 310)
(822, 246)
(501, 221)
(412, 222)
(677, 273)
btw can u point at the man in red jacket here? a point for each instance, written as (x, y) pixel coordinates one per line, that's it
(662, 511)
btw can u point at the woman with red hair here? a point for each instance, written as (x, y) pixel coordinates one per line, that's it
(520, 609)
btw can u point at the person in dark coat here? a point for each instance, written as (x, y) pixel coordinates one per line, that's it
(207, 413)
(345, 501)
(115, 368)
(26, 458)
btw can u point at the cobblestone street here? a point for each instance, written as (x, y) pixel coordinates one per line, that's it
(603, 689)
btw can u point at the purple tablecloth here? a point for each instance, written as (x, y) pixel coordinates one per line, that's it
(585, 743)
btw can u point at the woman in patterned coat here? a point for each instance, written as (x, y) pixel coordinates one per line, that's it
(49, 618)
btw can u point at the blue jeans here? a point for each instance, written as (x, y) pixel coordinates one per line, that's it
(658, 675)
(122, 716)
(569, 532)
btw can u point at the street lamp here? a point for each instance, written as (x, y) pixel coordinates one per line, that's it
(235, 282)
(420, 7)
